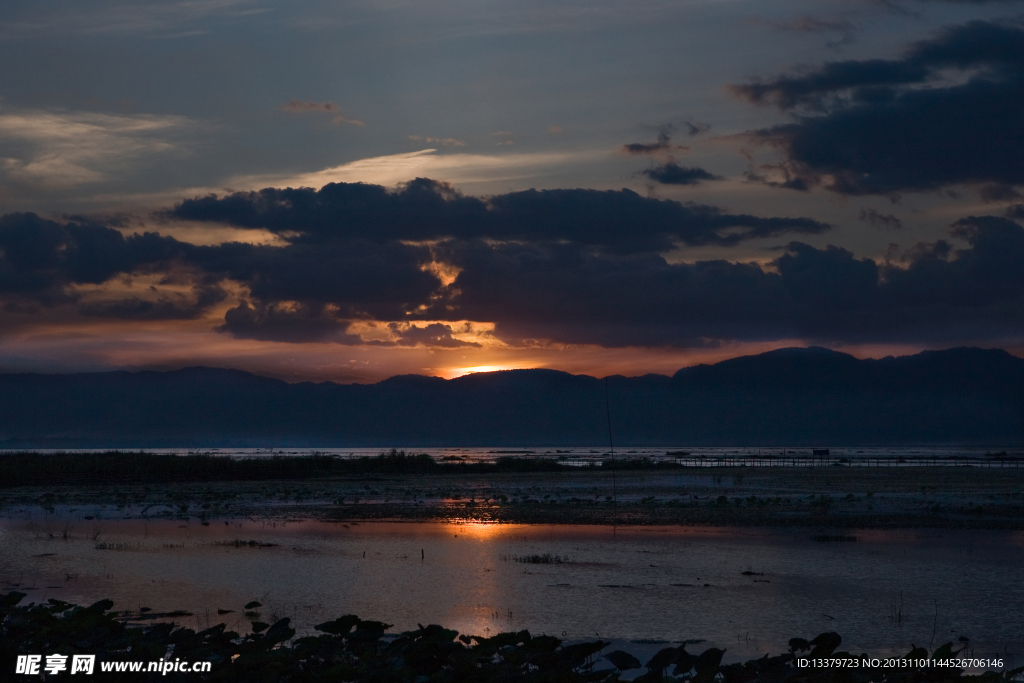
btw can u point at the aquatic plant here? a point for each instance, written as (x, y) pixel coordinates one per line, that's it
(546, 558)
(117, 546)
(246, 544)
(354, 649)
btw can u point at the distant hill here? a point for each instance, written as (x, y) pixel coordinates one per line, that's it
(797, 397)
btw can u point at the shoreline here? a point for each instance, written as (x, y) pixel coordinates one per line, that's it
(835, 497)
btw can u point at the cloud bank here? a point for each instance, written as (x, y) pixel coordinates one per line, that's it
(539, 267)
(423, 209)
(946, 112)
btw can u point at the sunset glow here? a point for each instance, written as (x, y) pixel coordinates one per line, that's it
(459, 372)
(512, 340)
(613, 213)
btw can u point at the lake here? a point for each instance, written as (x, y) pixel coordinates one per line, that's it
(748, 590)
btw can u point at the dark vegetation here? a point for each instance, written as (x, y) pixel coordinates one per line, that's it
(546, 558)
(517, 489)
(28, 468)
(795, 397)
(123, 467)
(353, 649)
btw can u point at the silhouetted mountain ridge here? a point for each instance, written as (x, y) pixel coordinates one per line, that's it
(816, 368)
(797, 396)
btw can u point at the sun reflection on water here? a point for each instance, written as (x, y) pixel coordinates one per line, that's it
(477, 530)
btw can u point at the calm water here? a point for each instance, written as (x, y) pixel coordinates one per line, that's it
(882, 593)
(857, 455)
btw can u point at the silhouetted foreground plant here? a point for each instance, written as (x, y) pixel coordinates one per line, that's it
(352, 649)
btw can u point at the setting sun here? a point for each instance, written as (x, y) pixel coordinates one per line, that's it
(459, 372)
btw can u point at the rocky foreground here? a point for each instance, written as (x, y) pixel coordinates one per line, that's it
(352, 649)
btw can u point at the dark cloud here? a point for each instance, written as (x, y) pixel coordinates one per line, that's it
(994, 47)
(562, 293)
(695, 128)
(300, 323)
(359, 279)
(671, 173)
(163, 307)
(792, 179)
(811, 89)
(40, 259)
(993, 261)
(434, 334)
(343, 252)
(623, 221)
(567, 294)
(880, 220)
(997, 192)
(294, 323)
(645, 147)
(424, 210)
(420, 210)
(557, 290)
(886, 126)
(664, 143)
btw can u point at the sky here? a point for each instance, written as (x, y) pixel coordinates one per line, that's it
(352, 190)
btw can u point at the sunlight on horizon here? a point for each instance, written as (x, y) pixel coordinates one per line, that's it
(453, 373)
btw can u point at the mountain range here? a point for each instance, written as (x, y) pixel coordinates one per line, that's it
(789, 397)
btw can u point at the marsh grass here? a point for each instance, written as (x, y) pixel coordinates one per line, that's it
(546, 558)
(124, 467)
(117, 546)
(128, 467)
(246, 544)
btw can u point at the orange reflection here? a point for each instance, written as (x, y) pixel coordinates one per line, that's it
(478, 530)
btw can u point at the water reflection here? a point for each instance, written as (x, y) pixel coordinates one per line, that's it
(477, 530)
(747, 590)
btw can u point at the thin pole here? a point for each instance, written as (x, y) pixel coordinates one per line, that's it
(611, 444)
